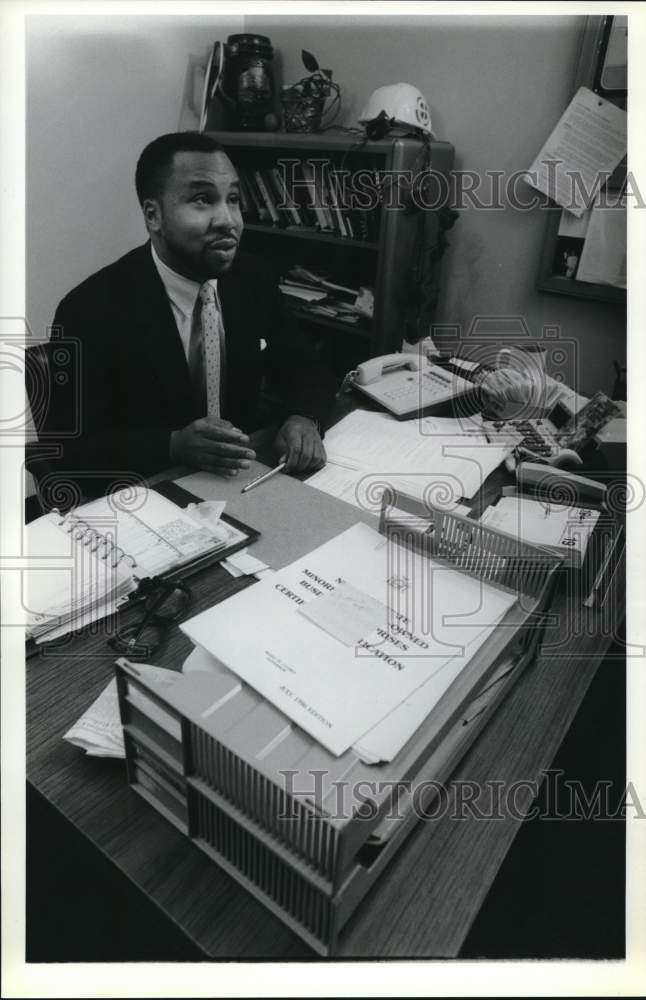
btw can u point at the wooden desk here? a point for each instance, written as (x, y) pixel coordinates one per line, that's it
(429, 896)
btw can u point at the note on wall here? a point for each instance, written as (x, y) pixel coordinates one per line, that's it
(572, 226)
(586, 146)
(603, 258)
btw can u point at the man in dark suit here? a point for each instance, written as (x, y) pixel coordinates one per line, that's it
(176, 337)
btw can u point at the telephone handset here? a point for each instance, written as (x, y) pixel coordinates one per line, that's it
(406, 386)
(559, 484)
(376, 368)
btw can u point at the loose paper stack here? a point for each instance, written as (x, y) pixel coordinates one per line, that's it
(565, 530)
(438, 460)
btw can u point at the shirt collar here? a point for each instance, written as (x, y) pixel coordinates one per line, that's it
(181, 291)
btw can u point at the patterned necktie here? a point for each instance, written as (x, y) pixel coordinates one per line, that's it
(208, 351)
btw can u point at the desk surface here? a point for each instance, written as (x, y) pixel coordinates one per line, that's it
(427, 899)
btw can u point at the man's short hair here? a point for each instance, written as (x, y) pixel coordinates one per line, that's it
(156, 162)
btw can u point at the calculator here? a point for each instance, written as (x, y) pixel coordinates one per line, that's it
(535, 438)
(562, 429)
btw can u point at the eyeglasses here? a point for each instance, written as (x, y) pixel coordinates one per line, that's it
(163, 602)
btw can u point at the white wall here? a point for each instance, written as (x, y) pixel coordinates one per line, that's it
(496, 87)
(98, 89)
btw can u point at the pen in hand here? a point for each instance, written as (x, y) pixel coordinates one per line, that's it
(263, 478)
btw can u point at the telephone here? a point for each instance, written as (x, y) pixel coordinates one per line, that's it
(406, 387)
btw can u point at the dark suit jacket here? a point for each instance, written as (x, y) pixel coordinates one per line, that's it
(129, 369)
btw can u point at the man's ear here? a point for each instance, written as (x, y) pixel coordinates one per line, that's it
(152, 214)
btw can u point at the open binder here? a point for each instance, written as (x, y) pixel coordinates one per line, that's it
(86, 562)
(240, 792)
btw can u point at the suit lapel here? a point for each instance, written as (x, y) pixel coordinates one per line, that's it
(229, 292)
(230, 289)
(160, 340)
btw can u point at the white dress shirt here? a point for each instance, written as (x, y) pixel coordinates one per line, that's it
(182, 294)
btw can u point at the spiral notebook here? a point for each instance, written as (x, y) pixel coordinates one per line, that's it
(86, 562)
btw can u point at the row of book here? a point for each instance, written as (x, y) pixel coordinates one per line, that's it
(315, 203)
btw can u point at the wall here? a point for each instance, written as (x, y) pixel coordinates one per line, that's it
(98, 89)
(496, 87)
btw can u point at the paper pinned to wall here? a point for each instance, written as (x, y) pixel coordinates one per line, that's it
(603, 258)
(586, 146)
(572, 226)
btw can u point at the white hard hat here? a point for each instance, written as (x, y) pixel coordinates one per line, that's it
(402, 103)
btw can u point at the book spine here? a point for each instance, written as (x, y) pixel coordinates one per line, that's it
(290, 206)
(245, 206)
(301, 195)
(308, 176)
(277, 197)
(261, 212)
(321, 194)
(333, 201)
(264, 191)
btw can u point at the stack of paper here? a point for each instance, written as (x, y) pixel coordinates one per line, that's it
(355, 642)
(565, 530)
(434, 459)
(68, 584)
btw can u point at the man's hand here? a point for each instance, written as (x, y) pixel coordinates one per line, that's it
(299, 445)
(212, 445)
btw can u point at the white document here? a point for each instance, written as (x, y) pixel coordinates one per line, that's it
(334, 691)
(231, 569)
(566, 529)
(575, 227)
(207, 513)
(603, 258)
(246, 564)
(434, 459)
(385, 740)
(99, 731)
(588, 143)
(338, 481)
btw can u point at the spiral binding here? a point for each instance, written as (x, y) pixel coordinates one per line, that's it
(83, 532)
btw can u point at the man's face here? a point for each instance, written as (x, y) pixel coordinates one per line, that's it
(196, 223)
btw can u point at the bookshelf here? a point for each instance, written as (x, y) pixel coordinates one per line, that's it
(347, 221)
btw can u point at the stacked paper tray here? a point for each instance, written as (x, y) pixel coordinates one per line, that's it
(306, 832)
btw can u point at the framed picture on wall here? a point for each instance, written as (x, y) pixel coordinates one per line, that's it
(586, 257)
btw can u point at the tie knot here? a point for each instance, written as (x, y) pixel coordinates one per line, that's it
(207, 293)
